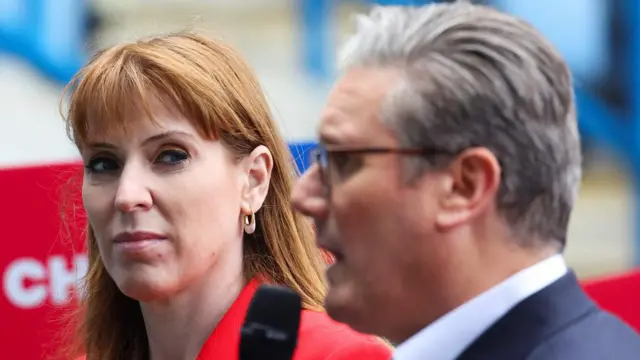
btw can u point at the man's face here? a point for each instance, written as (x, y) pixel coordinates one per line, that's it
(370, 219)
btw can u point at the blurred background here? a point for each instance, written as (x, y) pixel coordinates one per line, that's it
(291, 44)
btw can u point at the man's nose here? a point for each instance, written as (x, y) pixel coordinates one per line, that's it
(309, 195)
(133, 191)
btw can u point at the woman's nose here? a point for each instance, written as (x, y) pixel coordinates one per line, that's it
(133, 193)
(309, 195)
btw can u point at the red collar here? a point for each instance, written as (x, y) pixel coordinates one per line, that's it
(225, 338)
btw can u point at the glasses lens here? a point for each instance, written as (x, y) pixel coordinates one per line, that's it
(321, 157)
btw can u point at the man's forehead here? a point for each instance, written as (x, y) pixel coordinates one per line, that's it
(365, 85)
(354, 105)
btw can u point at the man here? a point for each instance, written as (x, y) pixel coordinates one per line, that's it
(449, 165)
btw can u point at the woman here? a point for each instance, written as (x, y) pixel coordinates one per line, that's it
(186, 191)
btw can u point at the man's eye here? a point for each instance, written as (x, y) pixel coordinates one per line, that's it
(345, 164)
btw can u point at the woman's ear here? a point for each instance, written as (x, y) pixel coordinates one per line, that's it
(258, 166)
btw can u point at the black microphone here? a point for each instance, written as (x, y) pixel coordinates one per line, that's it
(270, 330)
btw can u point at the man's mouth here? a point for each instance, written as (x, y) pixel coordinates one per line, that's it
(334, 252)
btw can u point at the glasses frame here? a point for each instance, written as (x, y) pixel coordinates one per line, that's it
(323, 169)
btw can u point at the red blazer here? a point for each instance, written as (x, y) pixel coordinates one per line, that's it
(319, 337)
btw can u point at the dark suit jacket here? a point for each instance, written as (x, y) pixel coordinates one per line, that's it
(560, 322)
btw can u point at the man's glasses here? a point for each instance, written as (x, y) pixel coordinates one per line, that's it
(324, 156)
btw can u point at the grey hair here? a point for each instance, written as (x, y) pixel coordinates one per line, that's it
(476, 77)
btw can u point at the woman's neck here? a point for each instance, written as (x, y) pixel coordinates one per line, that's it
(178, 328)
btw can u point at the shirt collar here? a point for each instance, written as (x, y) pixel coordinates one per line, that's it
(225, 338)
(467, 322)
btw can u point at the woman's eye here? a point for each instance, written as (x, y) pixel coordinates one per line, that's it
(100, 165)
(172, 157)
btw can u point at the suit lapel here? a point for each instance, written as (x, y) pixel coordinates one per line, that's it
(532, 321)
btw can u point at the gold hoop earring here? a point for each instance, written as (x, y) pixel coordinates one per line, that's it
(250, 222)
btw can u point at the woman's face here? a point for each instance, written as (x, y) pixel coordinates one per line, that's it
(166, 204)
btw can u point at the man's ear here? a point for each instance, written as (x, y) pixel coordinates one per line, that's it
(474, 178)
(258, 166)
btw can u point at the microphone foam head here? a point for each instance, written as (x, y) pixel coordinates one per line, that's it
(270, 329)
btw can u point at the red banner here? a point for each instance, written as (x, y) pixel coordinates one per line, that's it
(43, 257)
(619, 294)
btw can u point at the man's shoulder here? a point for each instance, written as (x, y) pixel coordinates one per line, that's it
(558, 322)
(320, 337)
(597, 335)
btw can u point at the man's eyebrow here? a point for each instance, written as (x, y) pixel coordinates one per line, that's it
(330, 138)
(328, 132)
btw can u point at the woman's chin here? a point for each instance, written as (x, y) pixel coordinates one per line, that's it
(146, 288)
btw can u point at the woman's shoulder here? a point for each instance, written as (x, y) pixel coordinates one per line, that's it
(321, 338)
